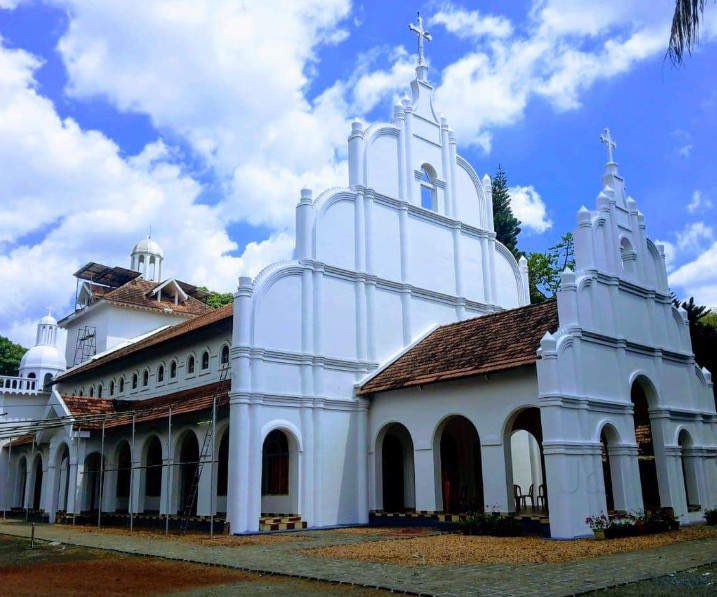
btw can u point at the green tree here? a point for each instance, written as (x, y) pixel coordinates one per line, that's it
(545, 268)
(507, 226)
(685, 30)
(216, 299)
(10, 355)
(703, 333)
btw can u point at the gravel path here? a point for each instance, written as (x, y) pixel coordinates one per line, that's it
(291, 559)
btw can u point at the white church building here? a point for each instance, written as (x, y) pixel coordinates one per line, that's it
(395, 365)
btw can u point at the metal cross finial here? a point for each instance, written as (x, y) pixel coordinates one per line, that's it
(422, 34)
(607, 139)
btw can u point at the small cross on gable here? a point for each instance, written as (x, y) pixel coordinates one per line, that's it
(422, 34)
(606, 139)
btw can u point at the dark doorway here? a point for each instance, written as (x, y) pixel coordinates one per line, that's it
(223, 465)
(93, 481)
(153, 475)
(275, 464)
(189, 462)
(461, 470)
(37, 490)
(124, 476)
(606, 472)
(22, 482)
(645, 448)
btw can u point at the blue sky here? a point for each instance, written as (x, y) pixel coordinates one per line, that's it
(204, 120)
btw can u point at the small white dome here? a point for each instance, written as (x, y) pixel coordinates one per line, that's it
(48, 320)
(147, 245)
(42, 357)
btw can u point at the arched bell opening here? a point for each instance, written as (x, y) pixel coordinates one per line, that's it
(460, 470)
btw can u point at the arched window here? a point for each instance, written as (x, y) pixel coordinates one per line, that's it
(81, 393)
(31, 376)
(205, 360)
(46, 381)
(225, 354)
(145, 377)
(190, 364)
(160, 373)
(92, 391)
(112, 388)
(628, 255)
(173, 370)
(429, 199)
(134, 381)
(99, 391)
(121, 385)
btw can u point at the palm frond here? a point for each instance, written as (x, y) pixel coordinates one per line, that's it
(685, 28)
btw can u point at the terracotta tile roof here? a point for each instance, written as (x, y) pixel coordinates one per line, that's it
(492, 342)
(164, 335)
(23, 440)
(118, 413)
(137, 293)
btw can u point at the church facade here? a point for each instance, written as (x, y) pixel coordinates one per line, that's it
(393, 365)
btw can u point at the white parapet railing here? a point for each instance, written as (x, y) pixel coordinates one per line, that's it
(19, 385)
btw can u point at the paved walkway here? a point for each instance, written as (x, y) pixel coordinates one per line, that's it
(288, 558)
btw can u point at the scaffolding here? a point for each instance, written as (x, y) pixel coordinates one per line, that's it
(86, 346)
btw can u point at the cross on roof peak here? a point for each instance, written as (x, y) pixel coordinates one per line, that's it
(607, 139)
(422, 34)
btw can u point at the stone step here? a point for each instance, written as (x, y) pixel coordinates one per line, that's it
(281, 523)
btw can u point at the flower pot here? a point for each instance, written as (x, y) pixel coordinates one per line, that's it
(599, 534)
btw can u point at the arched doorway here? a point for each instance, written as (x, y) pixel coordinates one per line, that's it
(645, 445)
(188, 463)
(689, 471)
(21, 483)
(152, 475)
(222, 472)
(397, 469)
(609, 439)
(124, 476)
(461, 473)
(525, 462)
(62, 478)
(279, 494)
(93, 476)
(37, 488)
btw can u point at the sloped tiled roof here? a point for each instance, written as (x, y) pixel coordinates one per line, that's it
(492, 342)
(164, 335)
(136, 293)
(91, 412)
(23, 440)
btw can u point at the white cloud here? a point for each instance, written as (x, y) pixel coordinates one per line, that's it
(471, 24)
(698, 277)
(670, 252)
(698, 202)
(529, 208)
(694, 237)
(685, 151)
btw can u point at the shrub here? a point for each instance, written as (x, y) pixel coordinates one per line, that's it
(492, 523)
(711, 516)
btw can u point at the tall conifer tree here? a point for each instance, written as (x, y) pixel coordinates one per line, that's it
(507, 226)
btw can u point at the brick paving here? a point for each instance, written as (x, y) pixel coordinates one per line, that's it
(289, 558)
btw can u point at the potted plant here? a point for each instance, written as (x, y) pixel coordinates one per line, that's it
(598, 524)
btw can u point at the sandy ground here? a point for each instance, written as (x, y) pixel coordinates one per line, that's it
(456, 549)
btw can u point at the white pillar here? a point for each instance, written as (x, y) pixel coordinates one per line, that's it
(495, 478)
(427, 484)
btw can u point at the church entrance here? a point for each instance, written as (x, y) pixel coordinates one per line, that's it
(525, 462)
(279, 474)
(461, 471)
(645, 446)
(188, 463)
(397, 472)
(37, 489)
(93, 481)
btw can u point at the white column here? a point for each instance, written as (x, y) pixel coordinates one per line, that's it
(495, 480)
(427, 484)
(362, 461)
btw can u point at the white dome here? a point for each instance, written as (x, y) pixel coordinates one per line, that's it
(48, 320)
(147, 245)
(42, 357)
